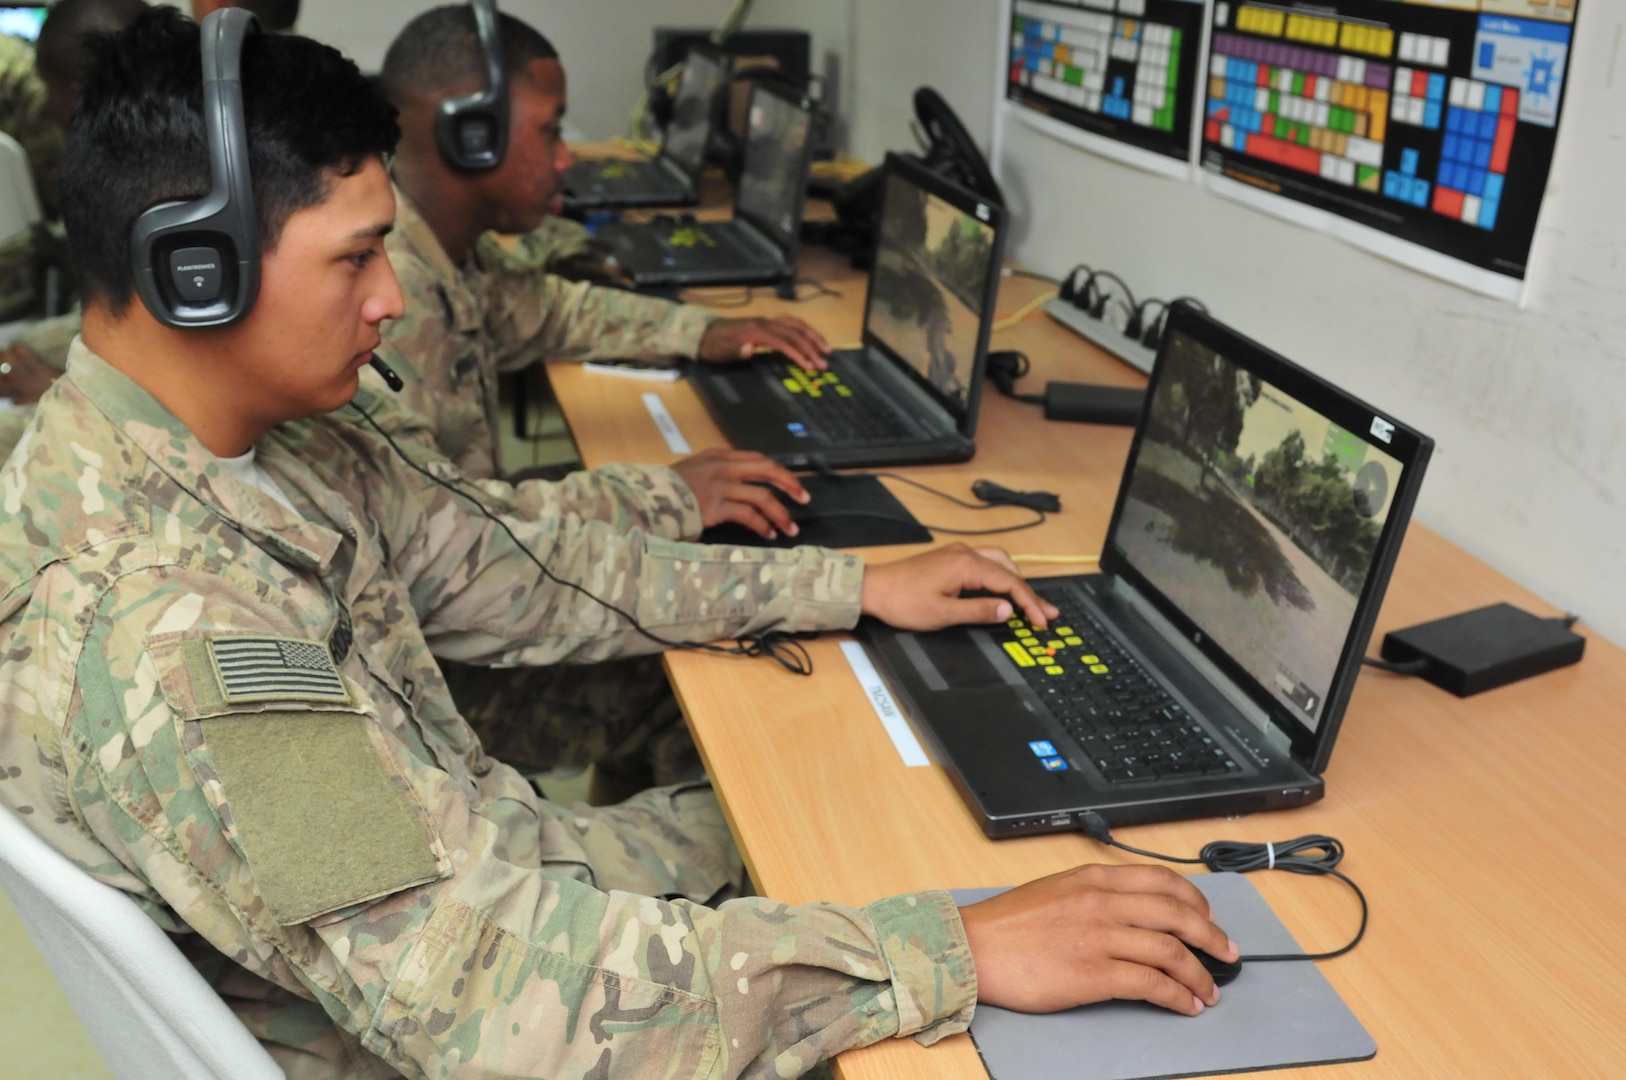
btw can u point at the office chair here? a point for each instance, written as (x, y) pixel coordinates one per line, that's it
(145, 1006)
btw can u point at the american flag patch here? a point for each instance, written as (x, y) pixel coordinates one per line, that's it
(275, 669)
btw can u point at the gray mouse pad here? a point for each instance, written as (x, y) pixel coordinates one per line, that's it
(1273, 1016)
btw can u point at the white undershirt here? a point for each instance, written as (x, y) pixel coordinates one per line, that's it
(246, 469)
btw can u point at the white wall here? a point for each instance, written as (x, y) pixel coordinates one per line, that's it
(1528, 406)
(603, 43)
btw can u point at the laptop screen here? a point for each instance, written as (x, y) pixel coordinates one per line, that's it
(770, 192)
(686, 136)
(23, 22)
(933, 265)
(1258, 517)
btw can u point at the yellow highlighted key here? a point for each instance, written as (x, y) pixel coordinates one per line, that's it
(1074, 640)
(1063, 631)
(1098, 669)
(1090, 659)
(1024, 633)
(1052, 670)
(792, 385)
(1054, 645)
(1019, 654)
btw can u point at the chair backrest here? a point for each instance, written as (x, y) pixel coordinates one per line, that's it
(146, 1007)
(19, 202)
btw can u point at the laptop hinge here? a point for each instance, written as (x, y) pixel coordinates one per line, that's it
(759, 239)
(1205, 667)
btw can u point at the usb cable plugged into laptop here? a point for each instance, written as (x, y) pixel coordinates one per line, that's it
(1305, 855)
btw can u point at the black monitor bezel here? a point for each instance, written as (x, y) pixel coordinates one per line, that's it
(1407, 446)
(973, 205)
(770, 229)
(722, 60)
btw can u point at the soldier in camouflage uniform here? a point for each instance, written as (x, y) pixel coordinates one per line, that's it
(474, 311)
(221, 605)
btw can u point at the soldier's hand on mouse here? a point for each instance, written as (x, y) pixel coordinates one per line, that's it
(1096, 933)
(924, 592)
(729, 485)
(741, 339)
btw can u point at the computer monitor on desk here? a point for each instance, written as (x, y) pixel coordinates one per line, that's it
(21, 20)
(1206, 670)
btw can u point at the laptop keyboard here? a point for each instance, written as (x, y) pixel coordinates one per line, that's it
(1127, 725)
(840, 413)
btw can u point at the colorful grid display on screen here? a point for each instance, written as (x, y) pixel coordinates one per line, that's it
(1417, 105)
(1065, 52)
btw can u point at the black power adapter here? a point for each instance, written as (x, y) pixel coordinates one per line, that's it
(1086, 403)
(1485, 648)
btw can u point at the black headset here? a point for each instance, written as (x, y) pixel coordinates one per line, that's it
(197, 262)
(472, 131)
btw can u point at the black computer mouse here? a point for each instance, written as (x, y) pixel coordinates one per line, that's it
(1223, 971)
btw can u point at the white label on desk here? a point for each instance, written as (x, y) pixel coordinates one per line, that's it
(675, 441)
(881, 700)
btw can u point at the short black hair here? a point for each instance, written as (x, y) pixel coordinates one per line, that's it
(441, 48)
(274, 15)
(137, 138)
(60, 52)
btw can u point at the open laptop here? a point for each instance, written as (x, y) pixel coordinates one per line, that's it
(21, 20)
(758, 246)
(910, 394)
(672, 177)
(1206, 669)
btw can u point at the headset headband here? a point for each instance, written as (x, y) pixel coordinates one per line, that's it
(472, 131)
(197, 262)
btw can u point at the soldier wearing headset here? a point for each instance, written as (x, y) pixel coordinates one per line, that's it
(222, 593)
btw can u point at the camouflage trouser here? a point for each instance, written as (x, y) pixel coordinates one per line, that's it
(619, 717)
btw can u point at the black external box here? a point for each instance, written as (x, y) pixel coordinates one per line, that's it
(1485, 648)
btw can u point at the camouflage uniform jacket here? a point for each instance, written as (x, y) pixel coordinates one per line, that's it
(463, 327)
(648, 497)
(232, 713)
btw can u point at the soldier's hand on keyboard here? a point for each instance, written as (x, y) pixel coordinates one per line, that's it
(924, 592)
(1093, 934)
(730, 486)
(741, 339)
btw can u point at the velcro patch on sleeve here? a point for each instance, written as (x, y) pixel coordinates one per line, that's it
(257, 669)
(320, 818)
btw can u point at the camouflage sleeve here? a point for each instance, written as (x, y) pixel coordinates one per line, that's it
(652, 498)
(483, 600)
(530, 314)
(49, 338)
(321, 846)
(648, 497)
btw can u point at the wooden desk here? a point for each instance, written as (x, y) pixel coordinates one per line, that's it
(1486, 832)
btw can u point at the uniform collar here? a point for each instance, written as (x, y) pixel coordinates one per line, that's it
(413, 233)
(176, 452)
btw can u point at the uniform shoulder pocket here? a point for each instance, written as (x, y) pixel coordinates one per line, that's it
(305, 785)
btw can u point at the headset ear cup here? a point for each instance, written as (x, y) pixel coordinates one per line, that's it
(196, 262)
(472, 131)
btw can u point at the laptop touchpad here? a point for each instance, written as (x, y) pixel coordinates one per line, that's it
(957, 660)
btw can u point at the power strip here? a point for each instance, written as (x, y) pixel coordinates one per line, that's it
(1101, 333)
